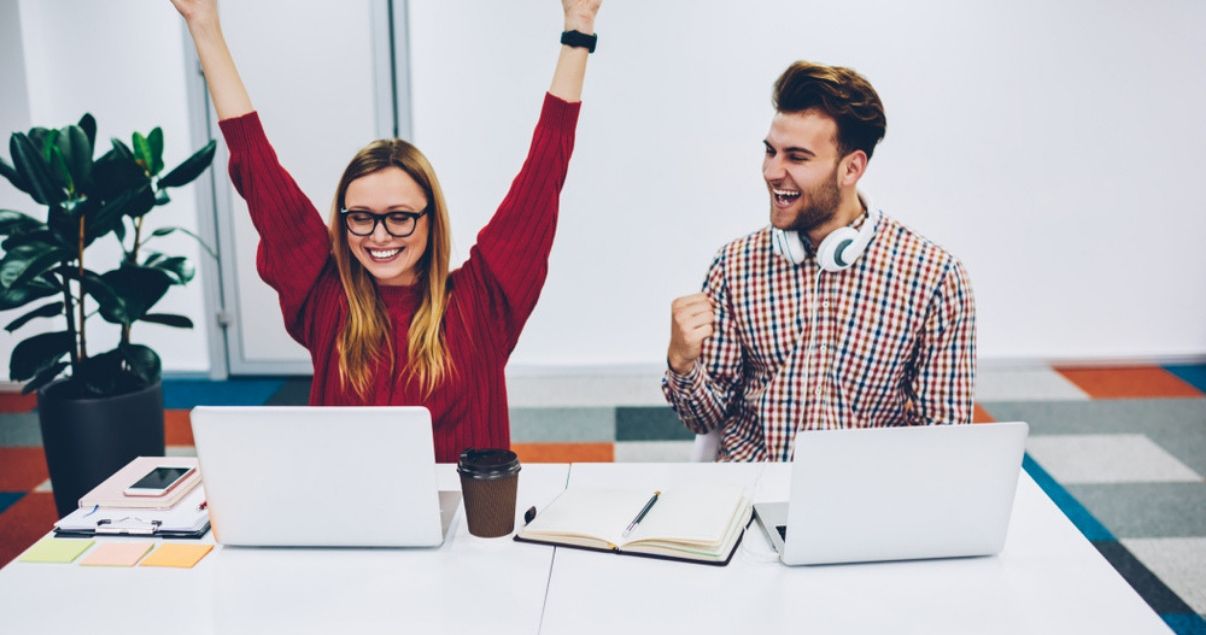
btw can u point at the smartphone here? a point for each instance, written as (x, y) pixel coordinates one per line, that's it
(159, 481)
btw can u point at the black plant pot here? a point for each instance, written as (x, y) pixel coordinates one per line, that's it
(88, 439)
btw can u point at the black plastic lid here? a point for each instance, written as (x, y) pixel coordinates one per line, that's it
(487, 463)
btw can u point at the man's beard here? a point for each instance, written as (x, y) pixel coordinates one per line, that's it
(820, 205)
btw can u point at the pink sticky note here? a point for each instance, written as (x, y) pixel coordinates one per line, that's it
(117, 554)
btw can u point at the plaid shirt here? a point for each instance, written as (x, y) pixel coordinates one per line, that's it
(894, 344)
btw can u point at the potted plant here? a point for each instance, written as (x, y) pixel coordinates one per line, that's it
(109, 409)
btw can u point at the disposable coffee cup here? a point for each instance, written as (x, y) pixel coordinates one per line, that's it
(489, 480)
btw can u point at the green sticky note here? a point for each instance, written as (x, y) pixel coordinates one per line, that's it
(57, 550)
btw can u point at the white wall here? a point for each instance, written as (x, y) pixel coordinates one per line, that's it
(121, 60)
(1051, 146)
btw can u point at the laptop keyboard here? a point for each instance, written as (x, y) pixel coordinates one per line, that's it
(782, 529)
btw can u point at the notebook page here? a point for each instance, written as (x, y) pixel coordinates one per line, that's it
(691, 514)
(598, 513)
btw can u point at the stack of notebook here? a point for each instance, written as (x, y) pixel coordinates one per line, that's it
(109, 510)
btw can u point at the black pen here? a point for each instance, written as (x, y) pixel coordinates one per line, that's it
(635, 521)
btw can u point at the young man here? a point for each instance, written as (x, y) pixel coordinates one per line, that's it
(835, 316)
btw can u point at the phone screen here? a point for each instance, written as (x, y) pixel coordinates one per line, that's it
(161, 478)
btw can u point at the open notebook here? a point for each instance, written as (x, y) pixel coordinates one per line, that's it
(695, 524)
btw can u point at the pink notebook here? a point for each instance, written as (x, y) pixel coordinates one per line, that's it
(111, 493)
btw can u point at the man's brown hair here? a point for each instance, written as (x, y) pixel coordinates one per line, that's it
(842, 94)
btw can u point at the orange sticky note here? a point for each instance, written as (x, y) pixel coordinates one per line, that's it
(172, 554)
(117, 554)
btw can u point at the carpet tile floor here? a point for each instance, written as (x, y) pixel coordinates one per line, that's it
(1122, 451)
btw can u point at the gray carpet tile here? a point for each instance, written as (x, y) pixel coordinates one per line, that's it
(1146, 510)
(1179, 562)
(1177, 425)
(563, 424)
(1107, 458)
(650, 424)
(20, 430)
(653, 451)
(1025, 384)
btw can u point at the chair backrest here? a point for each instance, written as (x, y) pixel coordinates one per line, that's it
(706, 447)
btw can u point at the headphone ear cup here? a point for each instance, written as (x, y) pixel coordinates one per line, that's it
(788, 245)
(835, 254)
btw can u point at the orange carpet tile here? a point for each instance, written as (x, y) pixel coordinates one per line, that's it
(22, 469)
(24, 523)
(565, 452)
(1129, 383)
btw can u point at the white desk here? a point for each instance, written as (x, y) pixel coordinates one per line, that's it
(1049, 579)
(468, 585)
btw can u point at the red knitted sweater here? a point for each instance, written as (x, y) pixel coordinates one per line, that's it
(491, 296)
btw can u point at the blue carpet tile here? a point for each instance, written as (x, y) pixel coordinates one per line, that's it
(1192, 375)
(187, 393)
(8, 498)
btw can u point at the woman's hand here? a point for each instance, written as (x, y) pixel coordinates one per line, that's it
(579, 15)
(197, 12)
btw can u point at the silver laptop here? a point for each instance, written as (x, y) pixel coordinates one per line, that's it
(331, 477)
(897, 493)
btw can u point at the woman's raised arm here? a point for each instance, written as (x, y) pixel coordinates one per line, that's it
(225, 86)
(571, 64)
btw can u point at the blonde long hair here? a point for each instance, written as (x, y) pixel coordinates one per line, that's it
(366, 335)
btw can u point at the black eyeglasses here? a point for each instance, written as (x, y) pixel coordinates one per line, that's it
(397, 224)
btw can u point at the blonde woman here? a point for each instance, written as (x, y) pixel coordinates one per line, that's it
(370, 294)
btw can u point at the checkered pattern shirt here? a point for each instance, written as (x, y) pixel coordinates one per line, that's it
(894, 344)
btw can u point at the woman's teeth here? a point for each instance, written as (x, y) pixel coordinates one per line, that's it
(383, 254)
(785, 197)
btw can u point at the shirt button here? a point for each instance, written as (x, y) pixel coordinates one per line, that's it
(825, 304)
(818, 392)
(824, 348)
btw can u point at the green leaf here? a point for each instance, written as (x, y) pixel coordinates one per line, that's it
(162, 198)
(37, 353)
(112, 307)
(37, 235)
(143, 362)
(120, 230)
(66, 228)
(77, 153)
(34, 170)
(14, 222)
(139, 289)
(133, 203)
(169, 319)
(37, 135)
(14, 297)
(46, 310)
(62, 174)
(44, 377)
(142, 151)
(122, 149)
(24, 262)
(88, 125)
(101, 374)
(191, 168)
(177, 267)
(10, 173)
(48, 141)
(155, 141)
(115, 173)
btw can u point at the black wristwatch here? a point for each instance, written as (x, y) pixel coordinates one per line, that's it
(580, 40)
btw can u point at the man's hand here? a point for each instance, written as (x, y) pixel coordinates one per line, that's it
(692, 319)
(580, 15)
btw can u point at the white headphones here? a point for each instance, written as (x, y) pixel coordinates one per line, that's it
(838, 251)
